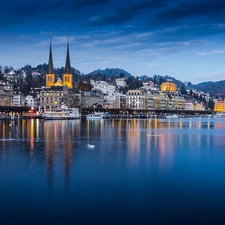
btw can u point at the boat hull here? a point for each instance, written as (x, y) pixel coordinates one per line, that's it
(94, 116)
(61, 115)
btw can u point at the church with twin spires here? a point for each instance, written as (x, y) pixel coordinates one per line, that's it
(67, 75)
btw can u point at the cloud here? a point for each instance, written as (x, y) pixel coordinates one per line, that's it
(187, 9)
(125, 12)
(87, 3)
(56, 41)
(212, 52)
(154, 64)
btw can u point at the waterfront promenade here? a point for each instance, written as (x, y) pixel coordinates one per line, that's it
(115, 113)
(11, 112)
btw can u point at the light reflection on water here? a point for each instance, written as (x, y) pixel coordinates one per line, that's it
(135, 162)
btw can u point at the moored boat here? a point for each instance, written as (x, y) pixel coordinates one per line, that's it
(60, 114)
(94, 116)
(173, 116)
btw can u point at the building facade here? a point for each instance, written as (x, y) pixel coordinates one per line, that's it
(168, 87)
(219, 106)
(6, 96)
(135, 99)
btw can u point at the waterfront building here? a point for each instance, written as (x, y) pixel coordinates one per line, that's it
(116, 100)
(90, 99)
(171, 103)
(135, 99)
(160, 101)
(6, 96)
(51, 98)
(18, 99)
(111, 100)
(219, 106)
(54, 97)
(76, 98)
(120, 101)
(198, 106)
(179, 102)
(188, 106)
(168, 87)
(150, 101)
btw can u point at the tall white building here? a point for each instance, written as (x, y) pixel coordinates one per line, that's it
(135, 99)
(18, 99)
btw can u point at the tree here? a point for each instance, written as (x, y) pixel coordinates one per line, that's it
(211, 104)
(155, 81)
(81, 86)
(183, 90)
(1, 76)
(84, 87)
(161, 80)
(112, 78)
(122, 75)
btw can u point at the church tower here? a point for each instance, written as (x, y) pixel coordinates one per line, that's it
(67, 76)
(50, 76)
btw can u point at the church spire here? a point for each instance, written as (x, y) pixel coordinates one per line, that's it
(50, 76)
(50, 61)
(67, 66)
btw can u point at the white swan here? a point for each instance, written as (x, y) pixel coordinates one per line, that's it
(90, 146)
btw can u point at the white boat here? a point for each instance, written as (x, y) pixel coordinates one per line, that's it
(174, 116)
(60, 114)
(94, 116)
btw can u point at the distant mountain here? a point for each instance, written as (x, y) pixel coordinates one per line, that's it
(213, 88)
(111, 71)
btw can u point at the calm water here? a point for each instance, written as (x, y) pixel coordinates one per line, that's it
(139, 172)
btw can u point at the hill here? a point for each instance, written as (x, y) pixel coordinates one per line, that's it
(111, 72)
(212, 88)
(168, 78)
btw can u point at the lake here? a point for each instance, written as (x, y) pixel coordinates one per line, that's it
(155, 171)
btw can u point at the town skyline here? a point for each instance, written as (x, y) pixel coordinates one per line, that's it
(180, 39)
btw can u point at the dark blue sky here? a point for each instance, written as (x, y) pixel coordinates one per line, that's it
(183, 39)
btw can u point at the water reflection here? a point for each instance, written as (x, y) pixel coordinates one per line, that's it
(135, 142)
(138, 170)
